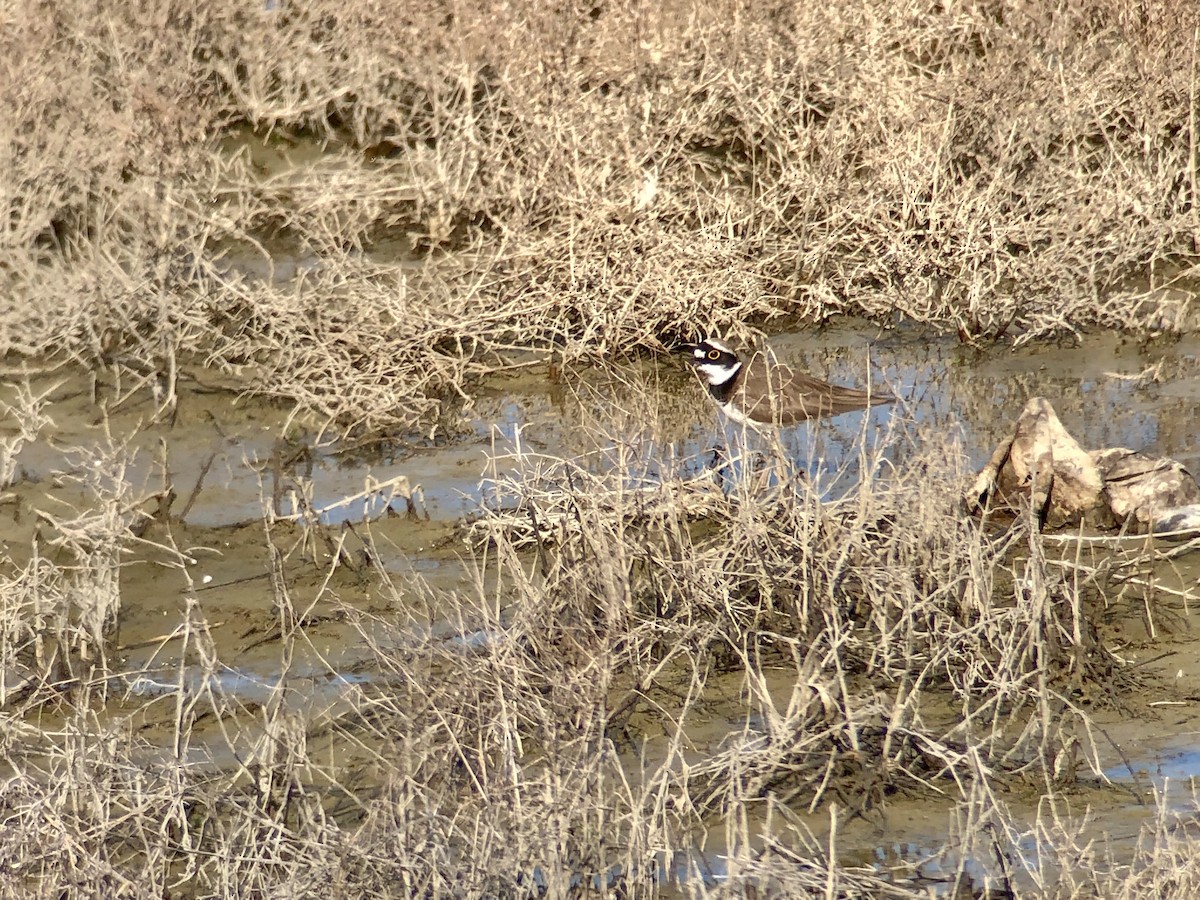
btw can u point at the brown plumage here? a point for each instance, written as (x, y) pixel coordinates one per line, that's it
(758, 391)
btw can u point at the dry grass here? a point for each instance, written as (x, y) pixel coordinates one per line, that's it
(551, 733)
(591, 181)
(605, 177)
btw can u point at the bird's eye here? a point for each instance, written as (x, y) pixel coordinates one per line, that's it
(714, 354)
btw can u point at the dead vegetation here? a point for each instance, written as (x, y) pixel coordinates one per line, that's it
(551, 733)
(589, 179)
(361, 211)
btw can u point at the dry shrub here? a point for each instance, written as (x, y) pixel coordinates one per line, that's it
(548, 729)
(559, 716)
(61, 597)
(92, 809)
(604, 176)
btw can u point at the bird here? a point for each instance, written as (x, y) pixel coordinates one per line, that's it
(762, 392)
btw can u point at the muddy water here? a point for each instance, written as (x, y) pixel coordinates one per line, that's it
(224, 455)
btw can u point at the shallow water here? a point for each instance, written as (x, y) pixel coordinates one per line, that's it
(940, 386)
(223, 454)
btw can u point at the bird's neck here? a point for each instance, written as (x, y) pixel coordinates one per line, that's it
(723, 389)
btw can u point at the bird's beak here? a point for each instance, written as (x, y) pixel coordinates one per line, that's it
(688, 350)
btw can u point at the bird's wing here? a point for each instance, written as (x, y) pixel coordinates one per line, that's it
(794, 396)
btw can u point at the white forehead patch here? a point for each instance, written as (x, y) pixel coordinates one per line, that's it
(717, 345)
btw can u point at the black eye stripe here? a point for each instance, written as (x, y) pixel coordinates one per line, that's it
(714, 354)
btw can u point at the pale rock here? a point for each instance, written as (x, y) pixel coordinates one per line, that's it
(1149, 489)
(1041, 462)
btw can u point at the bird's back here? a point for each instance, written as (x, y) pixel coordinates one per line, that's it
(774, 393)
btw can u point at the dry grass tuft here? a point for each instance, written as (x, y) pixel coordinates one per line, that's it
(603, 179)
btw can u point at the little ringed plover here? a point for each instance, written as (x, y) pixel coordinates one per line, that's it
(761, 392)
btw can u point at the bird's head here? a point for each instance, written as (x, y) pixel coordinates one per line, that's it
(715, 362)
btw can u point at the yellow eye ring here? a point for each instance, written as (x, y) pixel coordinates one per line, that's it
(714, 354)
